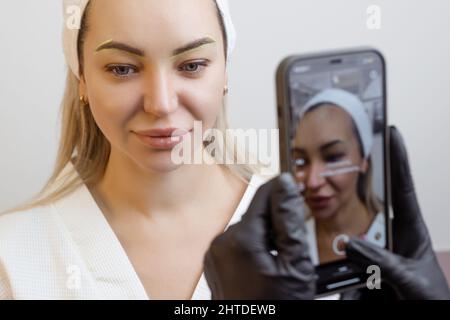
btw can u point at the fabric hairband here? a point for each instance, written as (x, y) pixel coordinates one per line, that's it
(70, 30)
(353, 106)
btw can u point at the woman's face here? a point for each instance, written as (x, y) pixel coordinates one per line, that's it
(152, 64)
(328, 160)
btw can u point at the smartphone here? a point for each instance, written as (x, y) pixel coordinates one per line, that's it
(334, 140)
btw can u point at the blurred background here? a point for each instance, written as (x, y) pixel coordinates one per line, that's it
(414, 38)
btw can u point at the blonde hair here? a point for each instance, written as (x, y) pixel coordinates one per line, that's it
(83, 143)
(366, 192)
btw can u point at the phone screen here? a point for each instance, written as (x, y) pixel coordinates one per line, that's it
(337, 151)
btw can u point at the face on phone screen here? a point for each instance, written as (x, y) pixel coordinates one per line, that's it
(337, 116)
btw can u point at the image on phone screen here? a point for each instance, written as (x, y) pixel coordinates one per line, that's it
(336, 150)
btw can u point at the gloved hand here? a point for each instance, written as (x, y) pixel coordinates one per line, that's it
(412, 271)
(239, 263)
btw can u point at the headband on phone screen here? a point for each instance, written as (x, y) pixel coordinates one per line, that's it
(353, 106)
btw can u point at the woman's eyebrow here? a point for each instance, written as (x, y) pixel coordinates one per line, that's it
(331, 144)
(298, 150)
(111, 44)
(193, 45)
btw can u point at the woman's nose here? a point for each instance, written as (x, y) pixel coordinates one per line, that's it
(160, 97)
(314, 177)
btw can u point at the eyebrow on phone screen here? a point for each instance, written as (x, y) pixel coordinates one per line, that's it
(322, 147)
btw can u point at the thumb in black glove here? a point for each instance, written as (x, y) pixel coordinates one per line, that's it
(239, 263)
(416, 279)
(412, 270)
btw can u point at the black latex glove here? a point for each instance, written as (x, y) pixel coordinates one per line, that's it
(239, 263)
(412, 271)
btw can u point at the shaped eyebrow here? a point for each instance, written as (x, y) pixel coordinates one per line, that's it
(322, 148)
(111, 44)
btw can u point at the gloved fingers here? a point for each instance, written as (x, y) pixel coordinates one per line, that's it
(404, 201)
(411, 236)
(250, 239)
(211, 274)
(288, 221)
(364, 254)
(410, 278)
(258, 210)
(274, 220)
(254, 229)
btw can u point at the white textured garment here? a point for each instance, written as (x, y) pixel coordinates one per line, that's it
(376, 234)
(67, 250)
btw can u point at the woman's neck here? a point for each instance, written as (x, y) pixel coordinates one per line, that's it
(126, 187)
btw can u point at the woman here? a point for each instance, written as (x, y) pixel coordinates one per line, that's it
(332, 148)
(118, 219)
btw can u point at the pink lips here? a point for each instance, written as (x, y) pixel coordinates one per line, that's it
(162, 139)
(318, 202)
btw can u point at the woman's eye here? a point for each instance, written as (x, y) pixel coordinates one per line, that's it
(300, 162)
(193, 67)
(122, 71)
(334, 157)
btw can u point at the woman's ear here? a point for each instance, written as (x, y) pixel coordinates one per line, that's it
(82, 87)
(225, 88)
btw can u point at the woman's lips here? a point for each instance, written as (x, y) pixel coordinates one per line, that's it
(163, 132)
(318, 202)
(162, 139)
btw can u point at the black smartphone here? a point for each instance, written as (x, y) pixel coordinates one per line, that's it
(334, 140)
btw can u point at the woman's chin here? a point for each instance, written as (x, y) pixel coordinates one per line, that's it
(159, 163)
(323, 214)
(162, 168)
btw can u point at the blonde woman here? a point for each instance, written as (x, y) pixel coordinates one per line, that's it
(118, 219)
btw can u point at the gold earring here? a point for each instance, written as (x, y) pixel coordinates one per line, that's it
(83, 101)
(225, 90)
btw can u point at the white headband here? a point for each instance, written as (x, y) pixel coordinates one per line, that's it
(353, 106)
(73, 12)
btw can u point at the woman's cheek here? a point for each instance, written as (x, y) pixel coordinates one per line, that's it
(111, 111)
(344, 184)
(204, 103)
(212, 108)
(211, 95)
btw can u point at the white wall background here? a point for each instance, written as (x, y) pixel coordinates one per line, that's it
(414, 37)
